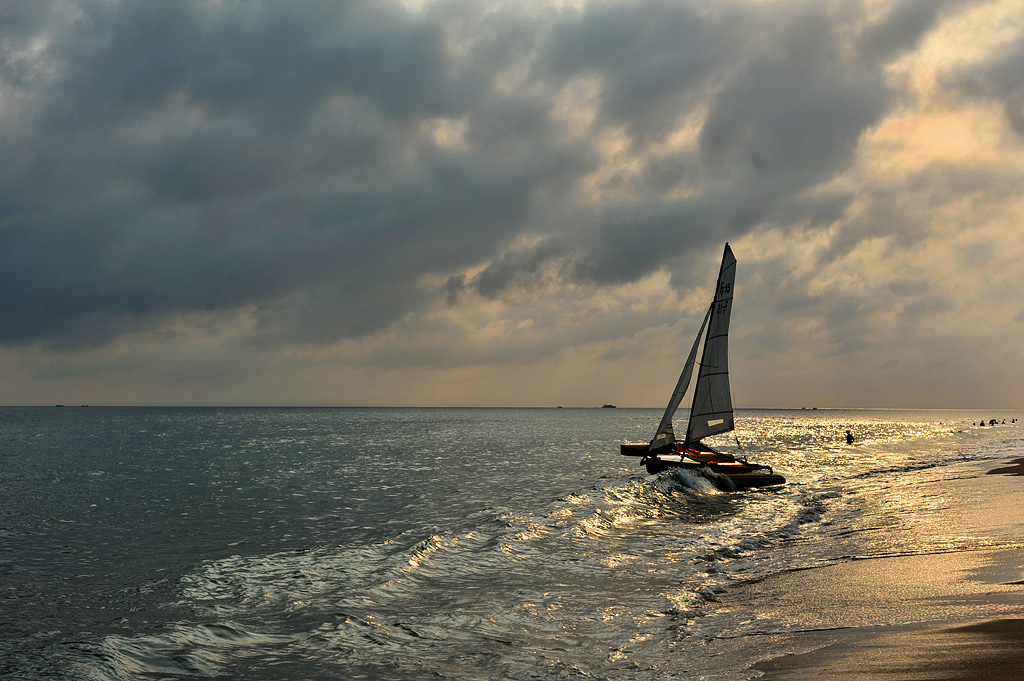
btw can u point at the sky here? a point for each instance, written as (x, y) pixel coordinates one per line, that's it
(523, 203)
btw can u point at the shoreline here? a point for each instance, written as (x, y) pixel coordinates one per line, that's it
(978, 651)
(936, 616)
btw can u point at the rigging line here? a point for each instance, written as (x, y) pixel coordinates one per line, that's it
(735, 431)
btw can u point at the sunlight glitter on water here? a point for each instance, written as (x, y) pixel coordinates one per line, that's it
(461, 545)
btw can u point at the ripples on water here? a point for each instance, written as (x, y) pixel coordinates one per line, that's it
(427, 543)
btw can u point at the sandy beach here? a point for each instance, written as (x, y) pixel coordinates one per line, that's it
(948, 615)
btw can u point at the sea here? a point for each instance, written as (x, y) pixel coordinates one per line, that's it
(434, 543)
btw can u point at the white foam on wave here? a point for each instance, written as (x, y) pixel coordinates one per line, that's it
(200, 650)
(1009, 448)
(699, 481)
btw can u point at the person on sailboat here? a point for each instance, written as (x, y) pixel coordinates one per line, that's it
(849, 438)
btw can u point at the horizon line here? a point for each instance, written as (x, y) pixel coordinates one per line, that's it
(414, 406)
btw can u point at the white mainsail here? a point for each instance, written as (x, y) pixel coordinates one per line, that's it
(711, 412)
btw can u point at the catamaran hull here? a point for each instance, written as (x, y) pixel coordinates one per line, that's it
(740, 475)
(745, 479)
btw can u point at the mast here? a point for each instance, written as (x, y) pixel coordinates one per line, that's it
(711, 412)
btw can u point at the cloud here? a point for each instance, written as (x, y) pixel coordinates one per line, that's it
(903, 26)
(653, 60)
(1001, 79)
(170, 157)
(339, 172)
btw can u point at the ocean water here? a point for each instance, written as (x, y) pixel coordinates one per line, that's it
(146, 543)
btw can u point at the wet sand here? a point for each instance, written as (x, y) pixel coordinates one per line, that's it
(987, 650)
(1015, 467)
(949, 616)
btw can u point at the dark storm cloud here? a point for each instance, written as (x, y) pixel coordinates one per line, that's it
(519, 267)
(1002, 80)
(655, 58)
(176, 157)
(903, 27)
(787, 100)
(169, 156)
(792, 117)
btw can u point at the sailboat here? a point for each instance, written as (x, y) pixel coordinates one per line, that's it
(711, 412)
